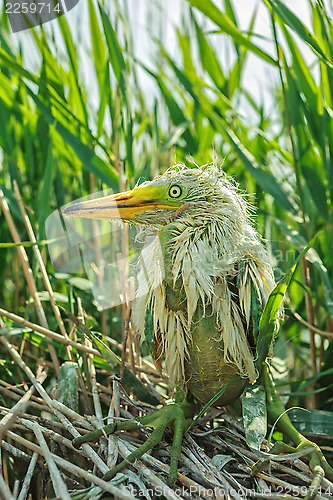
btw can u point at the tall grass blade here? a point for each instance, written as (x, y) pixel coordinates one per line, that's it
(208, 8)
(291, 20)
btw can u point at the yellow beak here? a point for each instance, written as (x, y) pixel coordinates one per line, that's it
(118, 206)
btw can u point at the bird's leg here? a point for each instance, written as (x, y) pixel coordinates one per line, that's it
(178, 416)
(277, 414)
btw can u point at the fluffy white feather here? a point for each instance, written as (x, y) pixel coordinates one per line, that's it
(209, 240)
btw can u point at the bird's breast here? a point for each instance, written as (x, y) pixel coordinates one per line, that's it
(205, 368)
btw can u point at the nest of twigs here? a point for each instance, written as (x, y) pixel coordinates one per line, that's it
(37, 432)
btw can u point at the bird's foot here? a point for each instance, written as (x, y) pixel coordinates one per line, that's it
(170, 415)
(317, 462)
(305, 448)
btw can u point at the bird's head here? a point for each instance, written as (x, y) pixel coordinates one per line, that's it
(196, 195)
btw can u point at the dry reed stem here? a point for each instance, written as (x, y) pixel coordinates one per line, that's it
(33, 404)
(72, 468)
(87, 343)
(125, 450)
(4, 490)
(27, 480)
(208, 473)
(94, 390)
(114, 411)
(48, 333)
(80, 347)
(41, 264)
(324, 333)
(28, 276)
(8, 420)
(150, 368)
(157, 464)
(46, 279)
(16, 452)
(55, 406)
(59, 485)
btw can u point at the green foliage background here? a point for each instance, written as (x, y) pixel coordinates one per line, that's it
(59, 145)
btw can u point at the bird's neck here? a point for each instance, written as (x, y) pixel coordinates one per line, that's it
(217, 238)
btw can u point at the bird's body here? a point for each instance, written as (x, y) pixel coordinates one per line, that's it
(217, 278)
(202, 289)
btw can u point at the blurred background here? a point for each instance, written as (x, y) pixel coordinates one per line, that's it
(117, 91)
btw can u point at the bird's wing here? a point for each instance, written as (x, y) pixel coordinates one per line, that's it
(251, 285)
(153, 340)
(238, 310)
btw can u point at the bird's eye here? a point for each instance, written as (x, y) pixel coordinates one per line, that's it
(175, 191)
